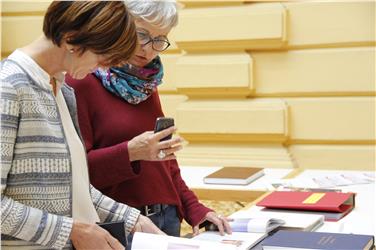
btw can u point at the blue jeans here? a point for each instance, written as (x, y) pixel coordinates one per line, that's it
(167, 220)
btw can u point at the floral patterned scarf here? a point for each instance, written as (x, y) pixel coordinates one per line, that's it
(132, 83)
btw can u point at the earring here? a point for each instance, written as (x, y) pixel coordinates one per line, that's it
(71, 51)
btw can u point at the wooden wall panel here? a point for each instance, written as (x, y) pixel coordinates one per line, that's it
(332, 120)
(21, 22)
(169, 104)
(315, 72)
(239, 27)
(228, 74)
(219, 154)
(18, 31)
(331, 23)
(209, 3)
(315, 58)
(24, 7)
(354, 157)
(233, 120)
(169, 80)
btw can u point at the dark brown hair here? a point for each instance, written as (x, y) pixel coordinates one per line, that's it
(103, 27)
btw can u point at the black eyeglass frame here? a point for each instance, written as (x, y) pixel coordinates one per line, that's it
(152, 40)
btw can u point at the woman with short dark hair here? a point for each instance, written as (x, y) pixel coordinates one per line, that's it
(46, 198)
(127, 161)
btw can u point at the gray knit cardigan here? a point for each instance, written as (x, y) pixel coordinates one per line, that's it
(36, 175)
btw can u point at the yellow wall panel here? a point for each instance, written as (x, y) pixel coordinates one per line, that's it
(233, 120)
(210, 3)
(246, 26)
(257, 155)
(227, 74)
(328, 23)
(354, 157)
(316, 57)
(335, 71)
(341, 119)
(16, 7)
(169, 66)
(169, 104)
(17, 31)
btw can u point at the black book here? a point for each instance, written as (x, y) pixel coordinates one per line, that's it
(116, 229)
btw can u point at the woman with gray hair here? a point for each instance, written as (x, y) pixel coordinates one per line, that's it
(117, 110)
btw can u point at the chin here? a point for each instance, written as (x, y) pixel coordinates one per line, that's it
(138, 63)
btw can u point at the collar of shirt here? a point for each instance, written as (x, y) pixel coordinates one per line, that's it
(39, 75)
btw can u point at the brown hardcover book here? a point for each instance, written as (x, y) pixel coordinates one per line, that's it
(234, 175)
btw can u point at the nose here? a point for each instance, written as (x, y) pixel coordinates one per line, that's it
(147, 47)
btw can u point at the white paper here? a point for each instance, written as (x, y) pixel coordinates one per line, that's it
(241, 241)
(145, 241)
(328, 180)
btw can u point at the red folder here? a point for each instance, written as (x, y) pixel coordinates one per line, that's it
(332, 202)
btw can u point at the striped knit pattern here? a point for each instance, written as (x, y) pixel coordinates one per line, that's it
(36, 177)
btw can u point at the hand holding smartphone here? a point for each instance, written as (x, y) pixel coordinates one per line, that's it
(163, 123)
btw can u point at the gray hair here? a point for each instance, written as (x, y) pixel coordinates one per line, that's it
(160, 13)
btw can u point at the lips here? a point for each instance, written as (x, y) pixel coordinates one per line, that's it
(141, 58)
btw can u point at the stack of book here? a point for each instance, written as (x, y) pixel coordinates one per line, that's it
(333, 205)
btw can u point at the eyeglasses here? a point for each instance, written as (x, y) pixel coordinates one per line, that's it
(158, 43)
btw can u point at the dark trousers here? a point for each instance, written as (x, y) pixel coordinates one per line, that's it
(167, 220)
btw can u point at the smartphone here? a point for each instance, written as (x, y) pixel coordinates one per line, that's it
(163, 123)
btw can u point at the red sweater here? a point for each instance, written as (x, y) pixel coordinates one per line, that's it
(107, 123)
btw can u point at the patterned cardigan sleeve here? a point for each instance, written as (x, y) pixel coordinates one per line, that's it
(110, 210)
(18, 220)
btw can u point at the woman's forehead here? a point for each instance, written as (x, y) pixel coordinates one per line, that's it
(153, 30)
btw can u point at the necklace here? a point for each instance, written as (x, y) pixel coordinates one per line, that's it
(53, 83)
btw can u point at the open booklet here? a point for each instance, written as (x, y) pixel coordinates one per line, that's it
(293, 220)
(247, 232)
(255, 224)
(260, 224)
(239, 240)
(252, 224)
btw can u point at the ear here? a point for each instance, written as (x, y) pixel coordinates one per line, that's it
(70, 48)
(66, 45)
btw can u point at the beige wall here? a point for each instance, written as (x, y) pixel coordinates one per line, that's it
(274, 84)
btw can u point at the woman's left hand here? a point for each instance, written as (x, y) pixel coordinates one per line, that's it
(144, 224)
(220, 221)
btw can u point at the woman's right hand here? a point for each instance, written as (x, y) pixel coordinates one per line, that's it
(147, 146)
(92, 236)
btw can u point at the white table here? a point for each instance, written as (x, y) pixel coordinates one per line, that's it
(362, 220)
